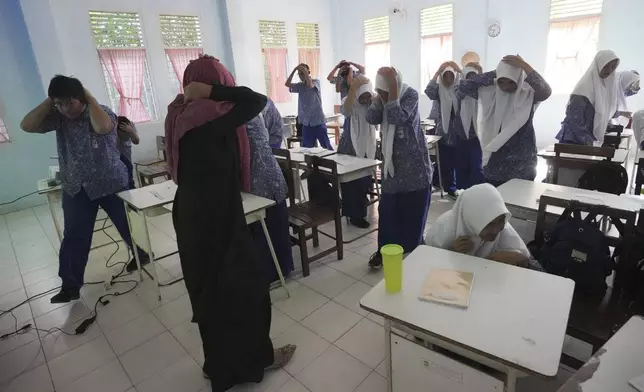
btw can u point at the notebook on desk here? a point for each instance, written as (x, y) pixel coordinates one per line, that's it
(449, 287)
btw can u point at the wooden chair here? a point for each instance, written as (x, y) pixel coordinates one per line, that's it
(560, 162)
(148, 171)
(335, 124)
(594, 319)
(283, 158)
(315, 212)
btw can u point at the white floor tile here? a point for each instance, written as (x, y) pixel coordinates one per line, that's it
(279, 294)
(366, 342)
(67, 318)
(134, 333)
(17, 340)
(350, 298)
(175, 312)
(43, 305)
(353, 264)
(20, 360)
(22, 313)
(367, 250)
(184, 375)
(43, 285)
(280, 322)
(309, 346)
(148, 294)
(120, 310)
(376, 319)
(187, 334)
(327, 281)
(36, 380)
(9, 270)
(108, 378)
(11, 284)
(335, 371)
(79, 362)
(382, 368)
(293, 385)
(273, 380)
(152, 356)
(374, 383)
(373, 277)
(303, 302)
(331, 321)
(34, 263)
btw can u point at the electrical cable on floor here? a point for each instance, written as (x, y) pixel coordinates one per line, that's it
(20, 198)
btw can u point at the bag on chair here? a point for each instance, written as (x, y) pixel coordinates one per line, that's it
(605, 176)
(577, 249)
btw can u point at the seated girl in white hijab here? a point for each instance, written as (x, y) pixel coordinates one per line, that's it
(358, 139)
(406, 174)
(508, 98)
(593, 102)
(478, 225)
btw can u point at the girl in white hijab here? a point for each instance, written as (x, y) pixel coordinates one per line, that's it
(507, 96)
(629, 85)
(406, 173)
(482, 232)
(593, 102)
(358, 139)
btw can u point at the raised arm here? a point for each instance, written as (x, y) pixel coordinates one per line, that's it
(289, 81)
(374, 114)
(470, 87)
(101, 121)
(130, 130)
(432, 90)
(359, 67)
(399, 111)
(334, 71)
(542, 90)
(39, 119)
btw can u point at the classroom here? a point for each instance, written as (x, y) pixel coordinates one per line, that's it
(321, 196)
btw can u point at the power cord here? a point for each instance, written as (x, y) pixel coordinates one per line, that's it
(20, 198)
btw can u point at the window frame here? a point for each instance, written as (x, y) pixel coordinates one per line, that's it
(440, 31)
(274, 41)
(378, 38)
(175, 83)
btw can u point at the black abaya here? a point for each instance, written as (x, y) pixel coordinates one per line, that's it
(224, 276)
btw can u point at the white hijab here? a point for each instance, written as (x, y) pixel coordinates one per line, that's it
(389, 130)
(625, 80)
(447, 96)
(601, 93)
(469, 107)
(474, 209)
(363, 134)
(638, 126)
(503, 114)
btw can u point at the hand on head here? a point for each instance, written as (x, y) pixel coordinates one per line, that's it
(196, 91)
(515, 61)
(476, 66)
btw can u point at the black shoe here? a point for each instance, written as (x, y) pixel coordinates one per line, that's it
(360, 223)
(452, 195)
(65, 295)
(131, 266)
(376, 260)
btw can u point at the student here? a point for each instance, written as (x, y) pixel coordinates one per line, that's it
(267, 180)
(228, 290)
(629, 85)
(309, 108)
(340, 74)
(478, 225)
(442, 91)
(91, 170)
(358, 139)
(469, 165)
(593, 102)
(274, 124)
(127, 136)
(508, 98)
(406, 174)
(638, 128)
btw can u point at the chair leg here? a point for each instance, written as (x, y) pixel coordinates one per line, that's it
(339, 243)
(316, 237)
(304, 254)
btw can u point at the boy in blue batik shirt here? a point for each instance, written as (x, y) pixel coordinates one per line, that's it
(309, 107)
(340, 75)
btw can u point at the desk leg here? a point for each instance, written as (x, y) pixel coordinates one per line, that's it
(390, 379)
(152, 263)
(438, 166)
(375, 177)
(511, 381)
(277, 264)
(50, 203)
(300, 185)
(134, 246)
(631, 180)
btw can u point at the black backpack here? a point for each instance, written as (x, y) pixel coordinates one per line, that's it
(605, 176)
(577, 249)
(629, 257)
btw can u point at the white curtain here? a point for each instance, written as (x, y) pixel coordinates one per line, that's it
(571, 48)
(434, 51)
(376, 55)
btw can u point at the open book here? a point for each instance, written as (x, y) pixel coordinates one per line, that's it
(448, 287)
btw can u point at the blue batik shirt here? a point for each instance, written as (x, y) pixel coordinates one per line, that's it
(344, 86)
(266, 178)
(274, 124)
(88, 160)
(309, 103)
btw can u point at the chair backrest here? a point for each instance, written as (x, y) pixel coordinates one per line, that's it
(327, 170)
(283, 158)
(161, 147)
(560, 162)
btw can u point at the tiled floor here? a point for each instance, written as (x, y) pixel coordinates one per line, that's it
(140, 344)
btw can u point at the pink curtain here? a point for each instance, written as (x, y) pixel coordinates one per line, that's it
(276, 63)
(180, 58)
(311, 57)
(434, 51)
(126, 68)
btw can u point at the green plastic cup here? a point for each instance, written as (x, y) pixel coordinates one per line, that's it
(392, 263)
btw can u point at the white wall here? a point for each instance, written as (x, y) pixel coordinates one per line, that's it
(524, 31)
(245, 42)
(63, 44)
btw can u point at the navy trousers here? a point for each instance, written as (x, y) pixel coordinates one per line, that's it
(448, 167)
(469, 164)
(278, 229)
(311, 133)
(80, 213)
(130, 172)
(354, 197)
(402, 218)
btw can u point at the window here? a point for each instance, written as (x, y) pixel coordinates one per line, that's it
(376, 45)
(272, 36)
(436, 24)
(119, 41)
(4, 135)
(182, 40)
(308, 46)
(572, 41)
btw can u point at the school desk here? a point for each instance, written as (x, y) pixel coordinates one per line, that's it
(619, 361)
(432, 146)
(571, 176)
(512, 324)
(157, 199)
